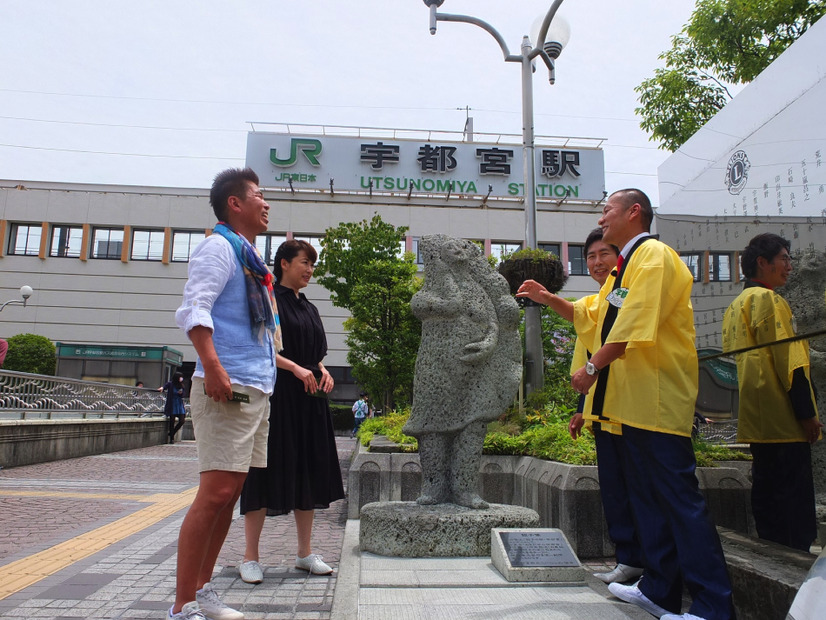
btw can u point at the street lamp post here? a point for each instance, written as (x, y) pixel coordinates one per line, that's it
(548, 52)
(25, 293)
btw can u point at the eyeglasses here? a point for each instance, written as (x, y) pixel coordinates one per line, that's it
(785, 258)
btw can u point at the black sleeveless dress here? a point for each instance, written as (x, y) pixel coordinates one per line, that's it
(302, 461)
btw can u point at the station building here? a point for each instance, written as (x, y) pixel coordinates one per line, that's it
(108, 263)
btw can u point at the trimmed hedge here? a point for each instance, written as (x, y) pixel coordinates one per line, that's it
(343, 419)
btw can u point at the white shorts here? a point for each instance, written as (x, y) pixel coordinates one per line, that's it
(230, 436)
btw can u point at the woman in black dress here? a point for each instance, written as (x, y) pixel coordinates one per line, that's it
(302, 472)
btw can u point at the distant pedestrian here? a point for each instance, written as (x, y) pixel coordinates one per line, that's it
(174, 408)
(361, 410)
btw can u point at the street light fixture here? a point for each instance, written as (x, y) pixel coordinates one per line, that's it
(549, 44)
(25, 293)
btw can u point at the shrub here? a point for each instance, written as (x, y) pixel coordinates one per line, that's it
(342, 417)
(390, 426)
(31, 353)
(542, 434)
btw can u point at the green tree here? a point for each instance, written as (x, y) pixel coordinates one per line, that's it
(31, 353)
(362, 266)
(726, 42)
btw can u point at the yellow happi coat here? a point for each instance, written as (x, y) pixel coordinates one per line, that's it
(759, 315)
(653, 386)
(578, 360)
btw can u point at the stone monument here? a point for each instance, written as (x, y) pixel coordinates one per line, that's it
(467, 372)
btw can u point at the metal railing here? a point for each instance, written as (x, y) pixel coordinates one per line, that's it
(25, 396)
(722, 432)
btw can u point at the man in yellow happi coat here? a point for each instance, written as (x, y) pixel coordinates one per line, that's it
(777, 415)
(644, 375)
(601, 259)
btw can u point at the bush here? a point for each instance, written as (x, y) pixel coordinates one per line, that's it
(31, 353)
(541, 434)
(343, 419)
(390, 426)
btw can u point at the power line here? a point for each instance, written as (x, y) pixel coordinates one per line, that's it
(43, 148)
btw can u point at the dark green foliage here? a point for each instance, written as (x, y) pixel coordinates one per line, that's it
(726, 42)
(362, 267)
(342, 417)
(31, 353)
(529, 264)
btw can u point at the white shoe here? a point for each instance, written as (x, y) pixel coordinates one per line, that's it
(678, 616)
(213, 607)
(622, 573)
(314, 564)
(251, 572)
(632, 594)
(190, 611)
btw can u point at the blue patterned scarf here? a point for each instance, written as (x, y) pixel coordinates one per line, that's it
(259, 279)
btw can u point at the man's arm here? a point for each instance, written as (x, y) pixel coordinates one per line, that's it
(581, 381)
(536, 292)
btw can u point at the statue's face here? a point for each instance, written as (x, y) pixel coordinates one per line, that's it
(456, 251)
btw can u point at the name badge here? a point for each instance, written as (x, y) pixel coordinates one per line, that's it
(617, 297)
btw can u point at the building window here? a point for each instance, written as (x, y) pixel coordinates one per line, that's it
(107, 243)
(499, 249)
(313, 241)
(719, 267)
(268, 245)
(183, 243)
(147, 245)
(417, 251)
(694, 264)
(576, 260)
(25, 239)
(66, 241)
(553, 248)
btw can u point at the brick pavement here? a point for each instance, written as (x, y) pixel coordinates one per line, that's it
(48, 509)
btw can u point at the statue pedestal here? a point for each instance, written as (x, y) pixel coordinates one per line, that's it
(408, 530)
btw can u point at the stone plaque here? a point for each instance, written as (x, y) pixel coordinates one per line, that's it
(528, 548)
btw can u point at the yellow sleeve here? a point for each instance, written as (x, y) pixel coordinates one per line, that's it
(580, 356)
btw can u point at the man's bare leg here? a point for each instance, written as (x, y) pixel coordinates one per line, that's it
(204, 530)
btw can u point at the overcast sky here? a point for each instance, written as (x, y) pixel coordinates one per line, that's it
(161, 92)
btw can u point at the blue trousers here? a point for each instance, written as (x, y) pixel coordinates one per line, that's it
(679, 541)
(783, 493)
(615, 501)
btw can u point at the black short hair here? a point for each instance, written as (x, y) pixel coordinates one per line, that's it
(594, 236)
(288, 251)
(633, 195)
(231, 182)
(767, 245)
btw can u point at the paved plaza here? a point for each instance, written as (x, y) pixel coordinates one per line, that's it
(95, 537)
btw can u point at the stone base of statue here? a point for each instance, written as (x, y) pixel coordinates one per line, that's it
(410, 530)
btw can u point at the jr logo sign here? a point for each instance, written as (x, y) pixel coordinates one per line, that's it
(308, 147)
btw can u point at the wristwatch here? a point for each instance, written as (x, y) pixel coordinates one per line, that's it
(590, 369)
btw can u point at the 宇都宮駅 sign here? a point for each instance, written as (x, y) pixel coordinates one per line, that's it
(388, 165)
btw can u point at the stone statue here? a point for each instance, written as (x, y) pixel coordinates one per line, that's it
(805, 291)
(468, 368)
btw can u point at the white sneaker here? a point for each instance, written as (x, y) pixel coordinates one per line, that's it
(251, 572)
(632, 594)
(622, 573)
(213, 607)
(679, 616)
(190, 611)
(313, 563)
